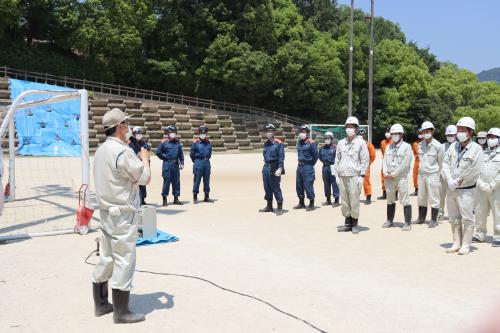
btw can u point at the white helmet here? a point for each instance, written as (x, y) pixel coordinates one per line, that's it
(494, 131)
(330, 134)
(427, 125)
(451, 130)
(137, 129)
(352, 121)
(397, 128)
(467, 122)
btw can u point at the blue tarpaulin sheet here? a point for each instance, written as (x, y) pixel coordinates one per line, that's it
(47, 130)
(161, 237)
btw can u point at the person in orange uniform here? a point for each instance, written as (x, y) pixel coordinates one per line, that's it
(367, 186)
(384, 144)
(415, 166)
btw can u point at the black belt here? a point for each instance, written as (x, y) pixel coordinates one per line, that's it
(203, 159)
(466, 188)
(172, 161)
(305, 163)
(272, 163)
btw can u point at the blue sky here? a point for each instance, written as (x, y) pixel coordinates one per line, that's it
(464, 32)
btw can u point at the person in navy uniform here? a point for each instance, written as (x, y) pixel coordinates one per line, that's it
(200, 153)
(307, 152)
(136, 142)
(274, 167)
(327, 157)
(170, 152)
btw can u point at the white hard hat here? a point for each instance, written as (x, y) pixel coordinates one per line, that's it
(467, 122)
(451, 130)
(329, 134)
(397, 128)
(137, 129)
(352, 121)
(494, 131)
(427, 125)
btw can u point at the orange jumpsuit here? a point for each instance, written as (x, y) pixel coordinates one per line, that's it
(383, 144)
(415, 166)
(367, 184)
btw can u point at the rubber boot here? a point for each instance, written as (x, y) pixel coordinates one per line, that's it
(422, 213)
(407, 212)
(177, 202)
(391, 211)
(415, 194)
(101, 304)
(328, 201)
(434, 217)
(347, 225)
(336, 202)
(207, 198)
(466, 239)
(301, 204)
(280, 211)
(383, 196)
(195, 198)
(268, 208)
(311, 205)
(355, 229)
(495, 243)
(456, 230)
(368, 200)
(122, 314)
(165, 203)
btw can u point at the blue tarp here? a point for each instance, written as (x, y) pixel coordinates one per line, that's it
(161, 237)
(47, 130)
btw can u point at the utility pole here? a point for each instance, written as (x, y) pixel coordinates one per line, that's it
(349, 103)
(370, 76)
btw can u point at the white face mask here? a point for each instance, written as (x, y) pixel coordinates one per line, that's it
(387, 135)
(420, 136)
(302, 136)
(427, 136)
(395, 137)
(328, 141)
(481, 141)
(462, 136)
(172, 135)
(203, 136)
(451, 139)
(492, 142)
(350, 131)
(269, 135)
(138, 137)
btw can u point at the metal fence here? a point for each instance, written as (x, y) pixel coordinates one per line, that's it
(136, 93)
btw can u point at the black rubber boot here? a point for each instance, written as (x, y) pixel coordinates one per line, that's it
(391, 211)
(122, 314)
(336, 202)
(311, 205)
(355, 229)
(165, 203)
(434, 217)
(422, 213)
(301, 204)
(347, 225)
(207, 197)
(383, 196)
(102, 306)
(195, 198)
(268, 208)
(280, 211)
(407, 212)
(368, 200)
(415, 194)
(177, 202)
(328, 201)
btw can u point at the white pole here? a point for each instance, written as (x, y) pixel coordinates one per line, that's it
(12, 160)
(84, 138)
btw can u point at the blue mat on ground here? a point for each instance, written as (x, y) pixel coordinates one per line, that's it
(161, 237)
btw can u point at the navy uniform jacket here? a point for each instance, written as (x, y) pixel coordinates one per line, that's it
(200, 150)
(274, 154)
(327, 154)
(307, 151)
(170, 151)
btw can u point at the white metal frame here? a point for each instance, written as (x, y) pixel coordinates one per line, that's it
(56, 96)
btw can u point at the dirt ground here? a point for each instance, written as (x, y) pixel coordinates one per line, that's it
(377, 281)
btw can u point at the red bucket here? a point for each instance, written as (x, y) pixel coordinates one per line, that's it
(83, 213)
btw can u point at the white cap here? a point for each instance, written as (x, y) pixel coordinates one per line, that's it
(397, 128)
(481, 134)
(467, 122)
(329, 134)
(352, 121)
(451, 130)
(113, 118)
(494, 131)
(427, 125)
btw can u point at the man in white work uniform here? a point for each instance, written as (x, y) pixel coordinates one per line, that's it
(351, 162)
(461, 167)
(451, 137)
(1, 183)
(396, 165)
(118, 172)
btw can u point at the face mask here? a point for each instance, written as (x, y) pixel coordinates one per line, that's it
(172, 135)
(451, 139)
(387, 135)
(138, 137)
(328, 141)
(350, 131)
(462, 136)
(427, 136)
(395, 137)
(269, 135)
(302, 136)
(203, 136)
(481, 141)
(493, 142)
(420, 136)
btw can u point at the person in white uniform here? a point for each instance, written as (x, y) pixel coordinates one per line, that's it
(451, 137)
(461, 167)
(118, 172)
(1, 179)
(488, 190)
(351, 162)
(396, 165)
(430, 156)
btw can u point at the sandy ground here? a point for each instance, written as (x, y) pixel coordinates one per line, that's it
(377, 281)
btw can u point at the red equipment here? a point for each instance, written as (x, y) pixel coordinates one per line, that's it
(83, 213)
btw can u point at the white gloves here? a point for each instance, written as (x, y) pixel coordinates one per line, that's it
(452, 184)
(360, 182)
(333, 171)
(278, 172)
(484, 186)
(181, 166)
